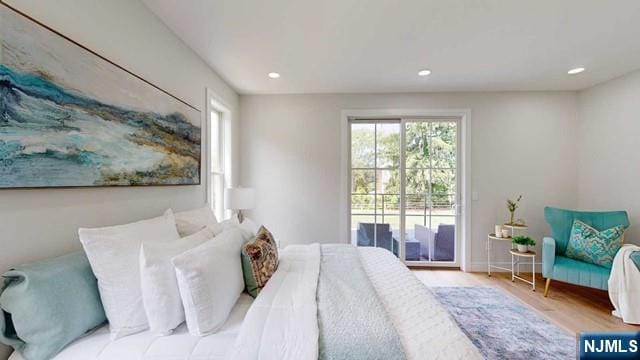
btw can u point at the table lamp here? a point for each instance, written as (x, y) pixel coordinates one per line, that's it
(238, 199)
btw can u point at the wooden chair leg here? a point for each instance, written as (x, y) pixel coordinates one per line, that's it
(546, 287)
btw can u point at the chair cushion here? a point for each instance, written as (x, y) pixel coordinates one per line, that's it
(48, 304)
(593, 246)
(580, 273)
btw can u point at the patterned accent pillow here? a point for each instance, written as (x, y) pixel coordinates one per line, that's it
(596, 247)
(259, 261)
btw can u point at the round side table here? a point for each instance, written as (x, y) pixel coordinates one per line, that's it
(516, 257)
(490, 239)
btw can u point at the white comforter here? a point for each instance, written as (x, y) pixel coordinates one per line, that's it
(624, 289)
(282, 323)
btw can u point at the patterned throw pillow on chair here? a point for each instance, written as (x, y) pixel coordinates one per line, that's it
(596, 247)
(259, 261)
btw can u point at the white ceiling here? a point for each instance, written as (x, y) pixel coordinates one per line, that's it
(345, 46)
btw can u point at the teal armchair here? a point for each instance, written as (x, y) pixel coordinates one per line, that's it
(559, 267)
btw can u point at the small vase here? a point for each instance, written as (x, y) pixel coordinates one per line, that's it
(522, 248)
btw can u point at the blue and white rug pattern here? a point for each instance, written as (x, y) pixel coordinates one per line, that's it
(501, 328)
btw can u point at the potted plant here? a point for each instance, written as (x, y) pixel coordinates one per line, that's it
(512, 206)
(523, 243)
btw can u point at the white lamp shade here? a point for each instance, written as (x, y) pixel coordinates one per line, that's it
(239, 198)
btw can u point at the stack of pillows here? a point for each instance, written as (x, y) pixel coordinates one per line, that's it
(151, 275)
(189, 268)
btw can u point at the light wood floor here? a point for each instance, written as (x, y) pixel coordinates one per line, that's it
(574, 308)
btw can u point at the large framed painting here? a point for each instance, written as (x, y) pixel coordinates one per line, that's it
(69, 117)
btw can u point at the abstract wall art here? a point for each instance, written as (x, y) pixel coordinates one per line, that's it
(69, 117)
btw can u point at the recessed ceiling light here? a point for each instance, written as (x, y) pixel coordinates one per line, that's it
(274, 75)
(577, 70)
(424, 72)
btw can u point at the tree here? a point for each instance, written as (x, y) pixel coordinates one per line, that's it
(428, 146)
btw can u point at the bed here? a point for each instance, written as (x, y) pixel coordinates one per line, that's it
(324, 301)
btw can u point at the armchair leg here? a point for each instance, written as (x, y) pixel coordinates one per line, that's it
(546, 287)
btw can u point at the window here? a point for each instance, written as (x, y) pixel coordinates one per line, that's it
(217, 163)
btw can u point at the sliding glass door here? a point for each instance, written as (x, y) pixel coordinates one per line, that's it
(403, 187)
(430, 190)
(375, 184)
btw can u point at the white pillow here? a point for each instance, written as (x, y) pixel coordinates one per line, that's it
(191, 221)
(113, 255)
(224, 225)
(210, 281)
(160, 293)
(251, 226)
(248, 228)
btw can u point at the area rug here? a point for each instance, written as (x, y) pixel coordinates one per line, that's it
(501, 328)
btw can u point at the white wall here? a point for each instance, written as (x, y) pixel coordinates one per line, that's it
(520, 143)
(35, 224)
(609, 164)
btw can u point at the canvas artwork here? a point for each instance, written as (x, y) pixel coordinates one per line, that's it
(69, 117)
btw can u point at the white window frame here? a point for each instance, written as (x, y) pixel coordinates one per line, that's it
(224, 170)
(464, 169)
